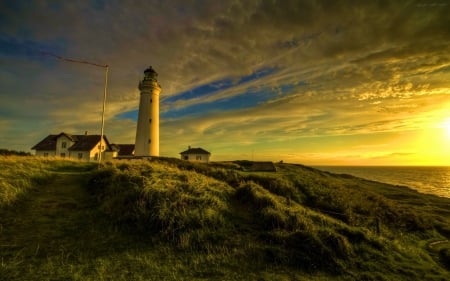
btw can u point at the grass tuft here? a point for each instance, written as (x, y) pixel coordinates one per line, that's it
(182, 206)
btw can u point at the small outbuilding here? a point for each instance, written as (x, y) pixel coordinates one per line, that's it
(196, 155)
(263, 167)
(124, 151)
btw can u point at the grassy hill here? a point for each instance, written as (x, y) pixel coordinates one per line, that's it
(168, 219)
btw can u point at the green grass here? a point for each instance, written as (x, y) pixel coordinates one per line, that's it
(168, 219)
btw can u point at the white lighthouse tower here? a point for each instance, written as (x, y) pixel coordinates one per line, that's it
(147, 132)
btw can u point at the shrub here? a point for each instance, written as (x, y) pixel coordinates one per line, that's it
(277, 185)
(253, 194)
(7, 152)
(19, 175)
(313, 251)
(100, 180)
(272, 211)
(346, 200)
(182, 206)
(445, 257)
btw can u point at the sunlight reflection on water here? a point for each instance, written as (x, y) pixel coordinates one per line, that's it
(433, 180)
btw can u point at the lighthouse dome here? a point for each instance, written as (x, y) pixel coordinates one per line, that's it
(150, 74)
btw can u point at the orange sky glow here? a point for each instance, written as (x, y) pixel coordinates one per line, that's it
(311, 82)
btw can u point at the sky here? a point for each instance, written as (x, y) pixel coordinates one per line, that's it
(311, 82)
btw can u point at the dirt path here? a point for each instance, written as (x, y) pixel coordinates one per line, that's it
(53, 219)
(57, 232)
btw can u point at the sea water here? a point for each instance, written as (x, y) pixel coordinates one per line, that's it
(432, 180)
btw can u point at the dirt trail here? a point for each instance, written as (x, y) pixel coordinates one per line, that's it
(48, 219)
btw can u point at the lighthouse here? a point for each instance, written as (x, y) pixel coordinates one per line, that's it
(147, 131)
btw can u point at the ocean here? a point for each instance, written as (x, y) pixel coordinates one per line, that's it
(432, 180)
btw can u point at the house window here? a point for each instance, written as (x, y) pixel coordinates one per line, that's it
(64, 144)
(63, 155)
(80, 155)
(186, 157)
(45, 154)
(198, 157)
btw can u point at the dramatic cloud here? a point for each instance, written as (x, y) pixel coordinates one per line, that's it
(307, 81)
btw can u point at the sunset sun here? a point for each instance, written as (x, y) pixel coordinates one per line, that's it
(446, 127)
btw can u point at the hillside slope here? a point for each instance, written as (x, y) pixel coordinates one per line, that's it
(172, 220)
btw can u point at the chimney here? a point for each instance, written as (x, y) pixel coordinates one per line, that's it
(189, 147)
(85, 133)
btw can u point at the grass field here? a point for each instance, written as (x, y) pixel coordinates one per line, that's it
(168, 219)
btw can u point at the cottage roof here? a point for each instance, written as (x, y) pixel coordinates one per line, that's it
(86, 143)
(125, 149)
(82, 142)
(197, 150)
(69, 136)
(49, 143)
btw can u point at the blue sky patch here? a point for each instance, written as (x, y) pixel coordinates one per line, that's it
(249, 99)
(27, 48)
(98, 4)
(258, 75)
(128, 115)
(202, 90)
(220, 85)
(246, 100)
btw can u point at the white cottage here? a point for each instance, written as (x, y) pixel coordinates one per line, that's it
(81, 147)
(195, 155)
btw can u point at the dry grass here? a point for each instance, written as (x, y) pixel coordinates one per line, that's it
(171, 220)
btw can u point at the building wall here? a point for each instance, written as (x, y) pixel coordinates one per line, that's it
(154, 124)
(79, 155)
(62, 147)
(45, 153)
(93, 154)
(147, 130)
(75, 155)
(109, 155)
(203, 158)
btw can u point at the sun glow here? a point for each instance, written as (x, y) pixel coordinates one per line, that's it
(446, 125)
(430, 145)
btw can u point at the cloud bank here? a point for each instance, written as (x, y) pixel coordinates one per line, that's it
(237, 76)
